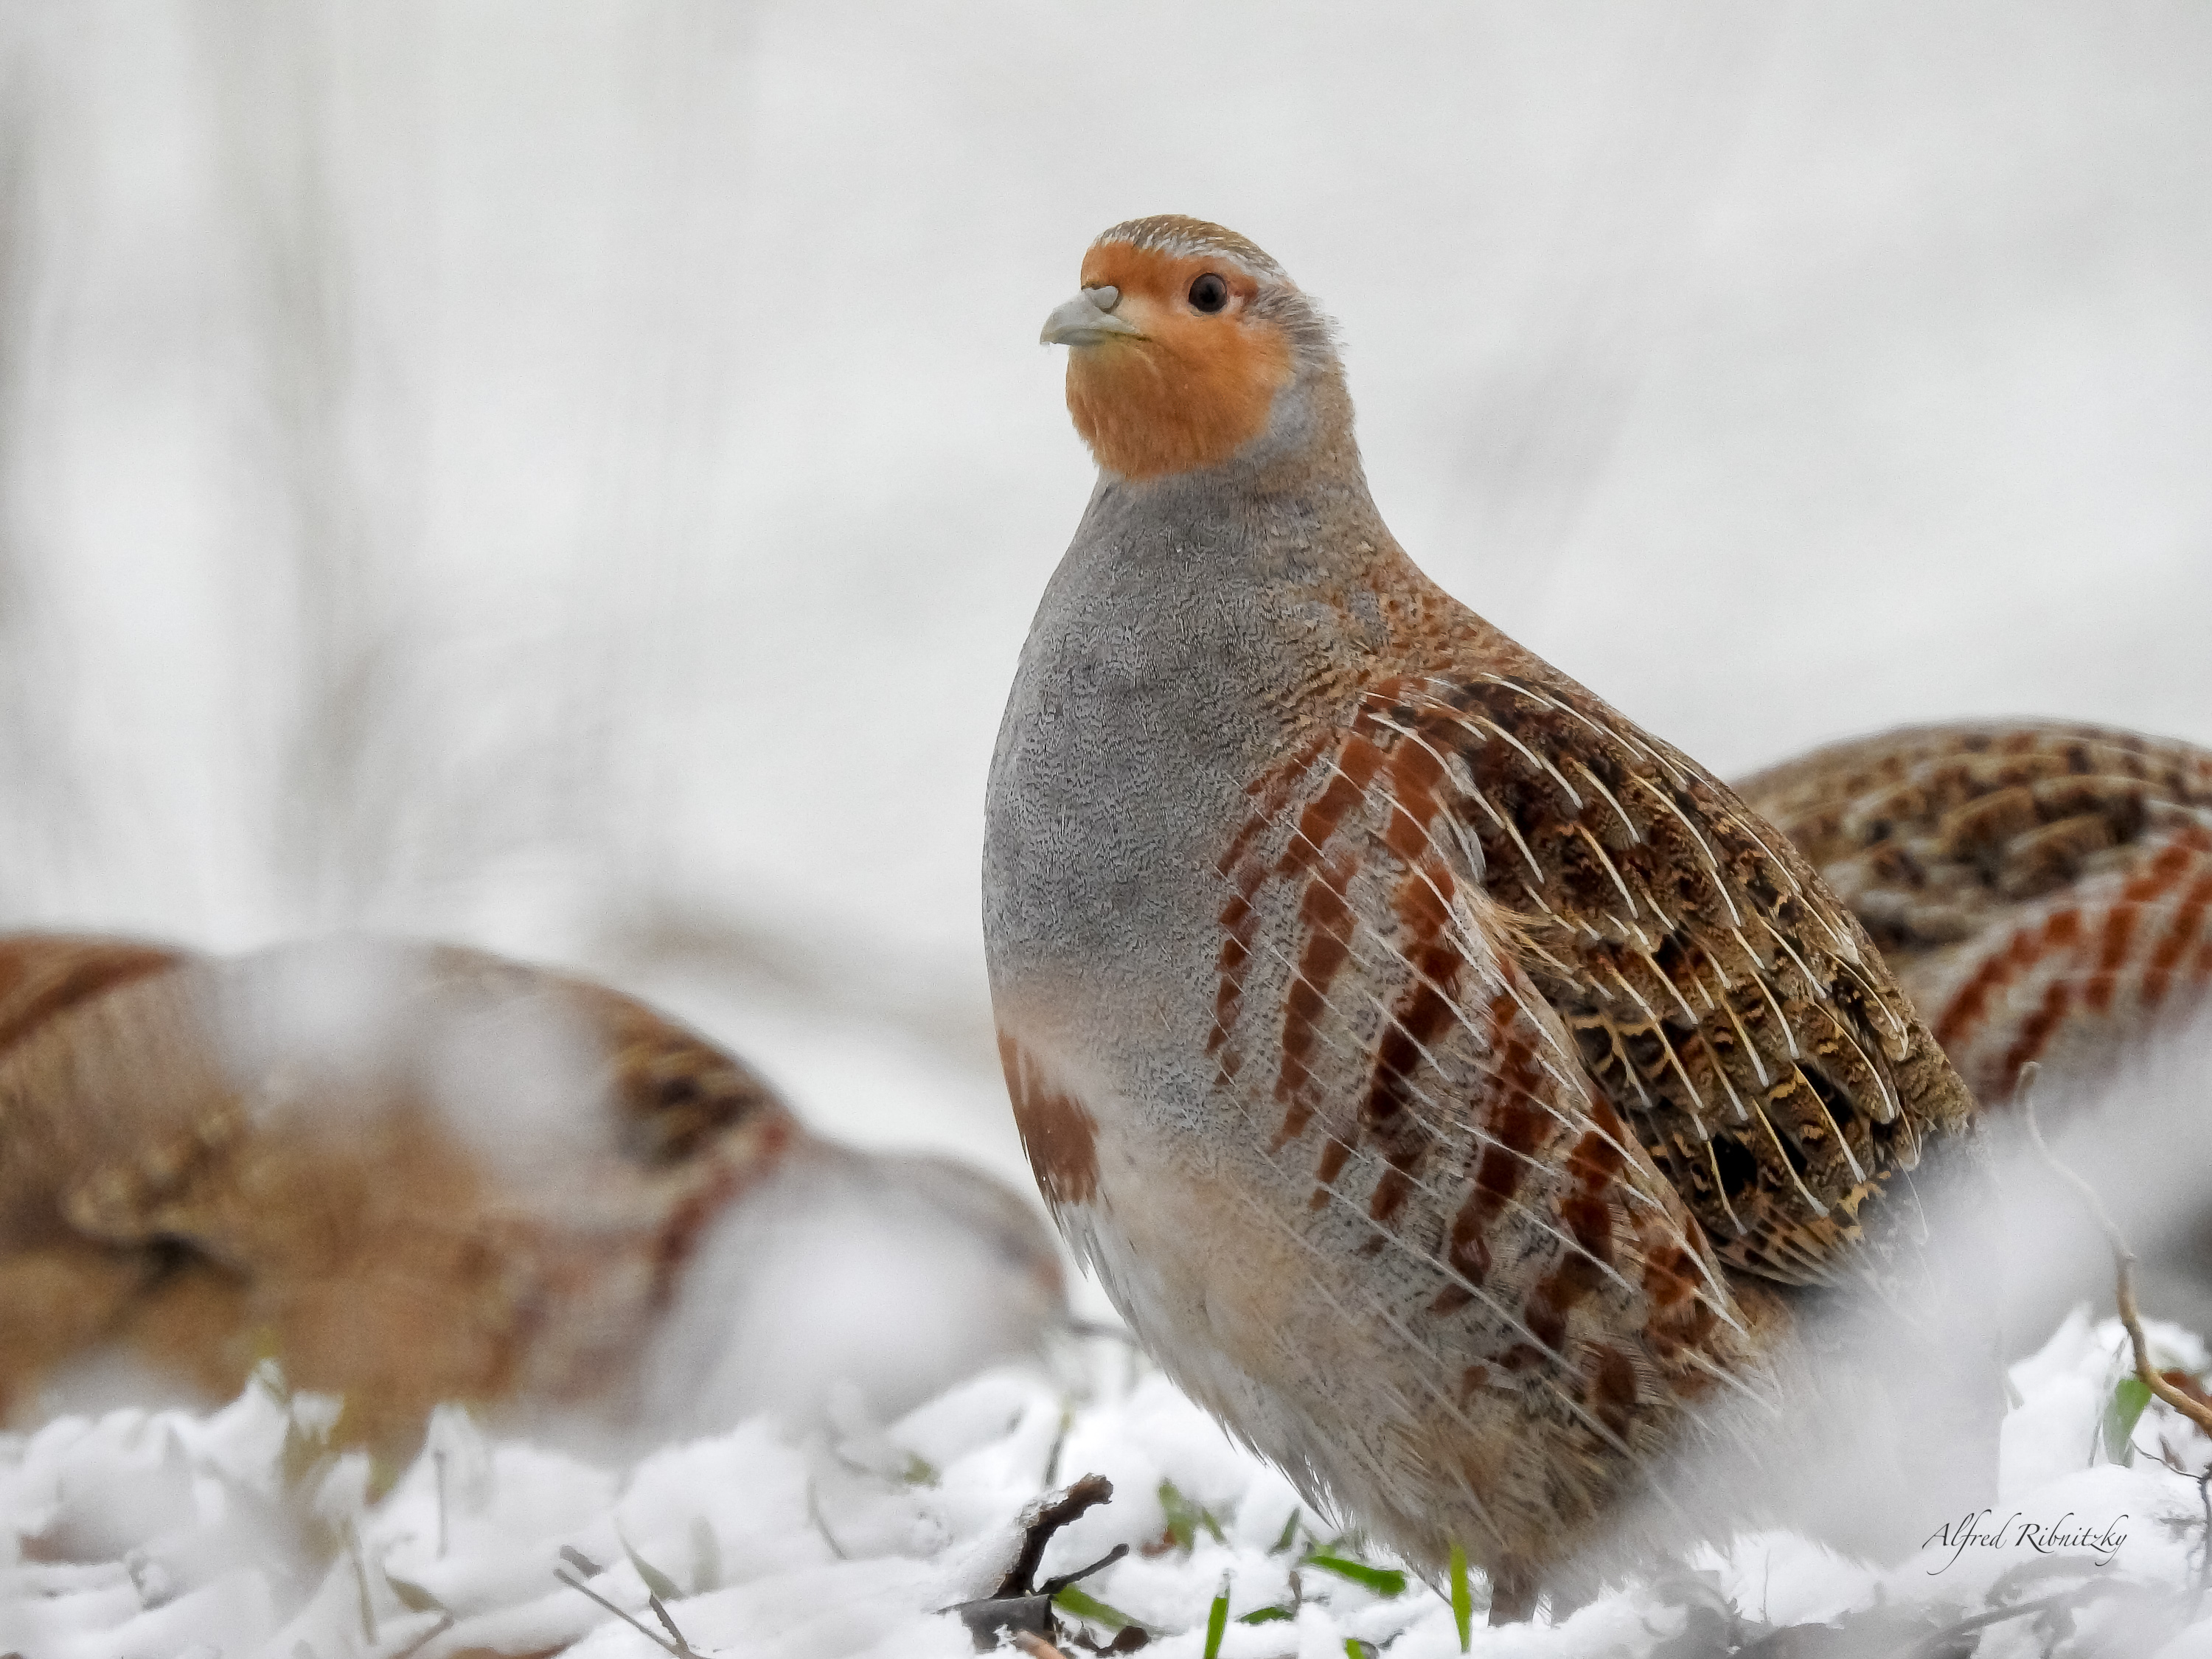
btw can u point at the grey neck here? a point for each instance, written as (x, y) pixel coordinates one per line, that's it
(1171, 662)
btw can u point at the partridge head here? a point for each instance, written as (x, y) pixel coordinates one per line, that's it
(1182, 350)
(1462, 1094)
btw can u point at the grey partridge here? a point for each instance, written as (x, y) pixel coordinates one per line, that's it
(418, 1173)
(2043, 889)
(1461, 1093)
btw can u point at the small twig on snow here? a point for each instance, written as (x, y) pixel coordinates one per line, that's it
(680, 1648)
(2123, 1261)
(821, 1526)
(1940, 1641)
(1020, 1604)
(1040, 1521)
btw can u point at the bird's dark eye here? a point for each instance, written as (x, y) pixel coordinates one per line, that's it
(1209, 293)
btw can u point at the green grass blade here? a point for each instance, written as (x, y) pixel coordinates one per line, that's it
(1079, 1603)
(2129, 1395)
(1216, 1620)
(1383, 1580)
(1462, 1599)
(1187, 1519)
(657, 1583)
(413, 1596)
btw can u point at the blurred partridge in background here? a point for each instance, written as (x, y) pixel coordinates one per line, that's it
(1461, 1093)
(417, 1173)
(2042, 890)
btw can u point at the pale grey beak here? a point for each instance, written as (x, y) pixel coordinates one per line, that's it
(1087, 319)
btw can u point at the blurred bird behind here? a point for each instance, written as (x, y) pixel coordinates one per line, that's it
(415, 1173)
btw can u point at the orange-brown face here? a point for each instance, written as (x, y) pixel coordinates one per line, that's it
(1188, 378)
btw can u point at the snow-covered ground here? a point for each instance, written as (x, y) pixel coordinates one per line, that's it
(137, 1534)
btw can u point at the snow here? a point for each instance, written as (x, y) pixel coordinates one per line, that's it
(141, 1535)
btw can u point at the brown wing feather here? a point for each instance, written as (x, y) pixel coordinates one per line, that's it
(1728, 1005)
(2042, 890)
(1376, 1027)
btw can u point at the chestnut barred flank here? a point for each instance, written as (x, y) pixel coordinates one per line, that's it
(1059, 1137)
(1771, 1085)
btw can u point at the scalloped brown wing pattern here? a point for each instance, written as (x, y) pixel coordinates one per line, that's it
(1375, 1029)
(2044, 891)
(1722, 1002)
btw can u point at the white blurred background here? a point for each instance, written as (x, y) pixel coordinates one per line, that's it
(573, 479)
